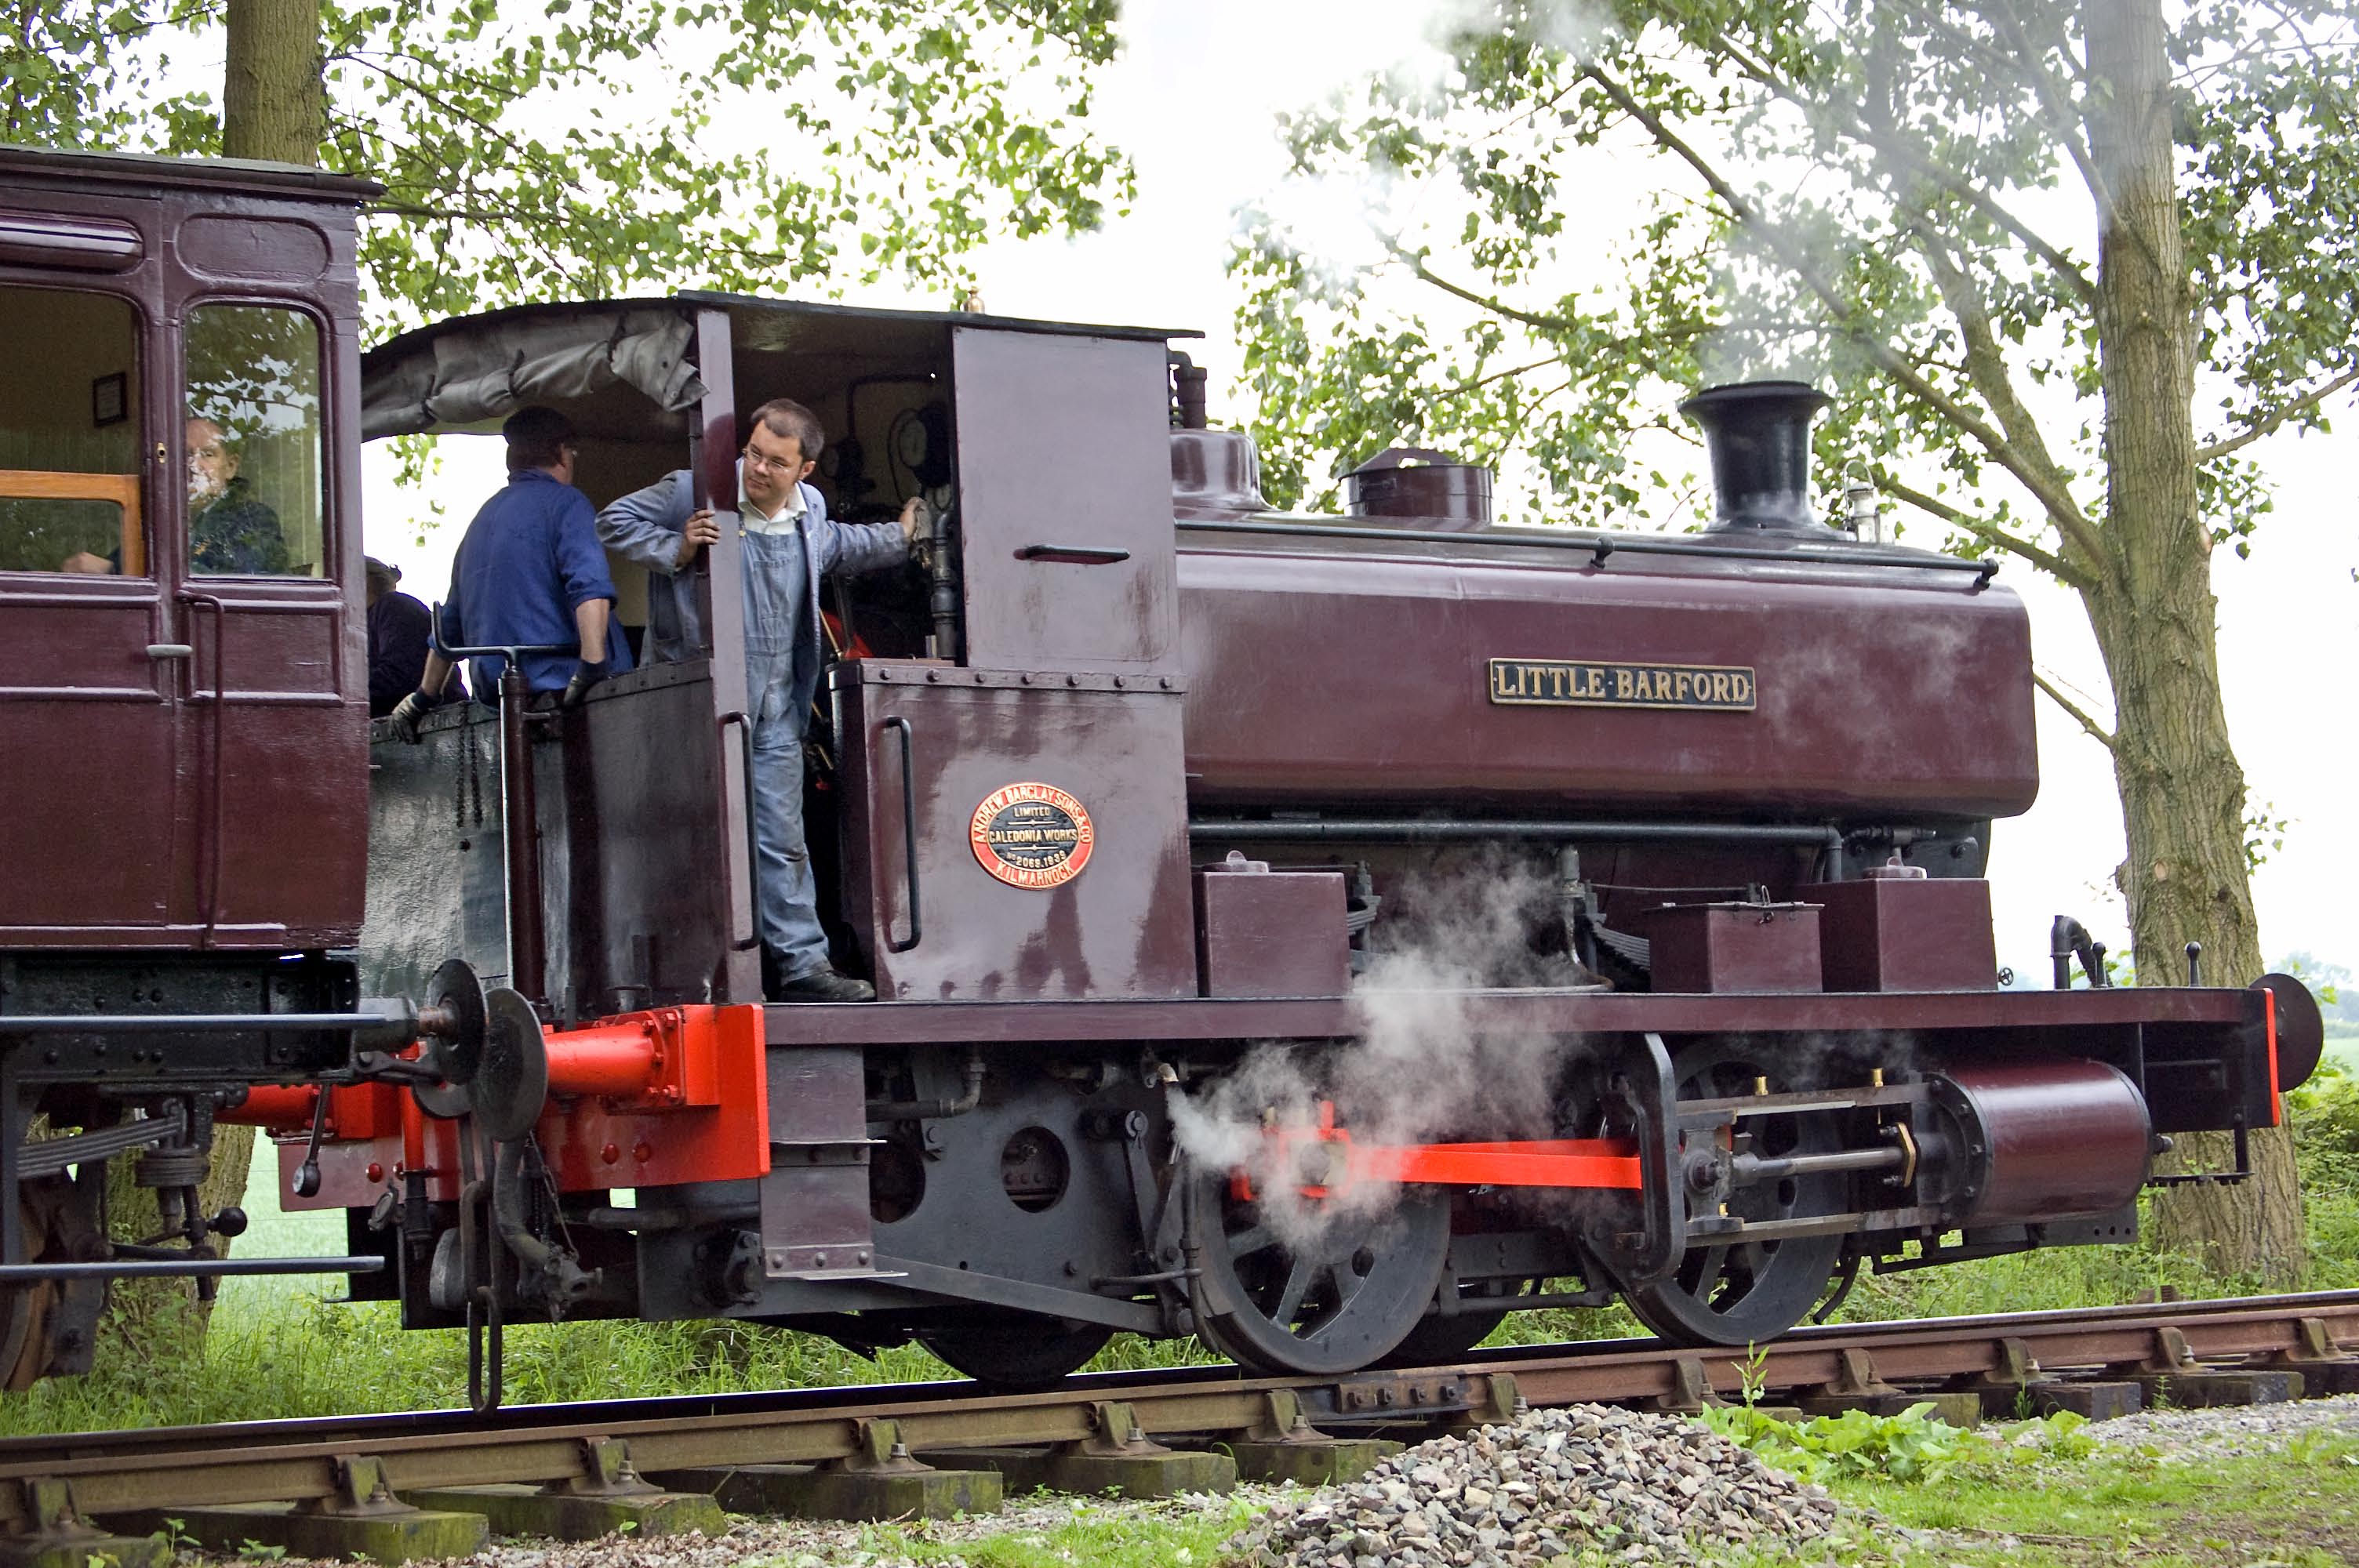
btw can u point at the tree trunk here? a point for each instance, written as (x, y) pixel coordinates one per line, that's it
(2182, 793)
(274, 104)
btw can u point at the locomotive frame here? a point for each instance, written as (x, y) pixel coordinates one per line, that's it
(1122, 678)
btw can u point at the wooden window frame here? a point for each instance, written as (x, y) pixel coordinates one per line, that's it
(123, 489)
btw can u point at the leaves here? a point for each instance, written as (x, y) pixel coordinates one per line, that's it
(1897, 200)
(587, 148)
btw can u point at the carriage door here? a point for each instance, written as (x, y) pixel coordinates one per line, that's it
(90, 660)
(268, 745)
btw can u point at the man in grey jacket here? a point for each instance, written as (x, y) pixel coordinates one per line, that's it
(789, 543)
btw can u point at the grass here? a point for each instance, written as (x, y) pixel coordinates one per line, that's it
(2297, 1508)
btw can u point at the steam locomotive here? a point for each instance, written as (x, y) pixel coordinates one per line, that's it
(1321, 935)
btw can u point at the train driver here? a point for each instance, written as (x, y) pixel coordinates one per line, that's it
(529, 573)
(790, 543)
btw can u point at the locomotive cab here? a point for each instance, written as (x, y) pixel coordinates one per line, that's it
(1004, 712)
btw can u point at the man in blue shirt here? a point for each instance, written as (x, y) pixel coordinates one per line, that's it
(789, 543)
(529, 573)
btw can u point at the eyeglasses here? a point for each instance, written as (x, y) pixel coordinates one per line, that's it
(761, 459)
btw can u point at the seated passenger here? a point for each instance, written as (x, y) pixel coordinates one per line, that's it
(230, 531)
(790, 543)
(529, 574)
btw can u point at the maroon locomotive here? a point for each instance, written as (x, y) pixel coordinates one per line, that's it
(1321, 935)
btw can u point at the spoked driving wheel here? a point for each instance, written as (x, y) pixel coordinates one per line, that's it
(1748, 1292)
(1321, 1287)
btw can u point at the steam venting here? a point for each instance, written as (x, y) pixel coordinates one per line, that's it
(1758, 433)
(1421, 1072)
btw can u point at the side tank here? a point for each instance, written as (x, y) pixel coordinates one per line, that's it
(1753, 671)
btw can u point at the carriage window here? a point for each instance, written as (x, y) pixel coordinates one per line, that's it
(251, 438)
(69, 441)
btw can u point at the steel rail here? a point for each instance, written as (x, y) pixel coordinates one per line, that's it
(298, 1461)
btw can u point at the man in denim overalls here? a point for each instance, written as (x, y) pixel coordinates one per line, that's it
(789, 543)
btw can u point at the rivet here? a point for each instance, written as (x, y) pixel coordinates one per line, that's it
(1117, 683)
(643, 1151)
(1072, 680)
(610, 1153)
(375, 1172)
(819, 1260)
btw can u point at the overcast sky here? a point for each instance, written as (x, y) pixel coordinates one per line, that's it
(1192, 102)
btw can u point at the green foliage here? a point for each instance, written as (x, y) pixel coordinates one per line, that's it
(570, 148)
(1911, 1447)
(1894, 200)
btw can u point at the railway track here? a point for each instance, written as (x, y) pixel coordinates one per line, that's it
(1149, 1433)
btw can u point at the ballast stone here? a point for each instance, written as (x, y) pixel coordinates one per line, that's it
(1644, 1488)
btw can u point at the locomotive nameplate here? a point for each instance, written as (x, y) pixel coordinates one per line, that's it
(1031, 836)
(1597, 683)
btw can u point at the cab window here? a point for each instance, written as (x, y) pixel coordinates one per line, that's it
(250, 437)
(70, 446)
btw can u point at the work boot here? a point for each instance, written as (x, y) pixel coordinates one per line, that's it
(825, 985)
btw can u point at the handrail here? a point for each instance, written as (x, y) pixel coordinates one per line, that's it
(1597, 544)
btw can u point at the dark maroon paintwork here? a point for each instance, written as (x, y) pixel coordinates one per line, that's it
(217, 800)
(2054, 1139)
(1908, 933)
(1265, 932)
(1334, 672)
(1120, 928)
(1735, 947)
(1064, 440)
(1427, 488)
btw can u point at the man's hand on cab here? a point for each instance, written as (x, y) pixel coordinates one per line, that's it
(915, 517)
(585, 676)
(701, 529)
(406, 715)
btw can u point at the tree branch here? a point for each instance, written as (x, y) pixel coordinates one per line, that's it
(1887, 140)
(2058, 501)
(1424, 273)
(1987, 369)
(2096, 731)
(2264, 423)
(2046, 561)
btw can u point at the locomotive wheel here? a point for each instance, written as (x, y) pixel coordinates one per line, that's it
(24, 1328)
(1020, 1353)
(28, 1343)
(1347, 1299)
(1749, 1292)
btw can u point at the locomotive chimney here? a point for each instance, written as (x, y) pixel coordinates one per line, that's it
(1758, 433)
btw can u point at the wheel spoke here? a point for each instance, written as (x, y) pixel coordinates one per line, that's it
(1716, 1259)
(1298, 1285)
(1245, 1243)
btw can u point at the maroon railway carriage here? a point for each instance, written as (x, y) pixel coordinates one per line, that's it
(182, 713)
(1324, 936)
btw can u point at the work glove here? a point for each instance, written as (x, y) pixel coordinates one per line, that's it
(406, 715)
(585, 676)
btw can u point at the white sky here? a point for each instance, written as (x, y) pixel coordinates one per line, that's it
(1191, 101)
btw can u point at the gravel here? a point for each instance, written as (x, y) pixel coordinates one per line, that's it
(2196, 1436)
(1643, 1488)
